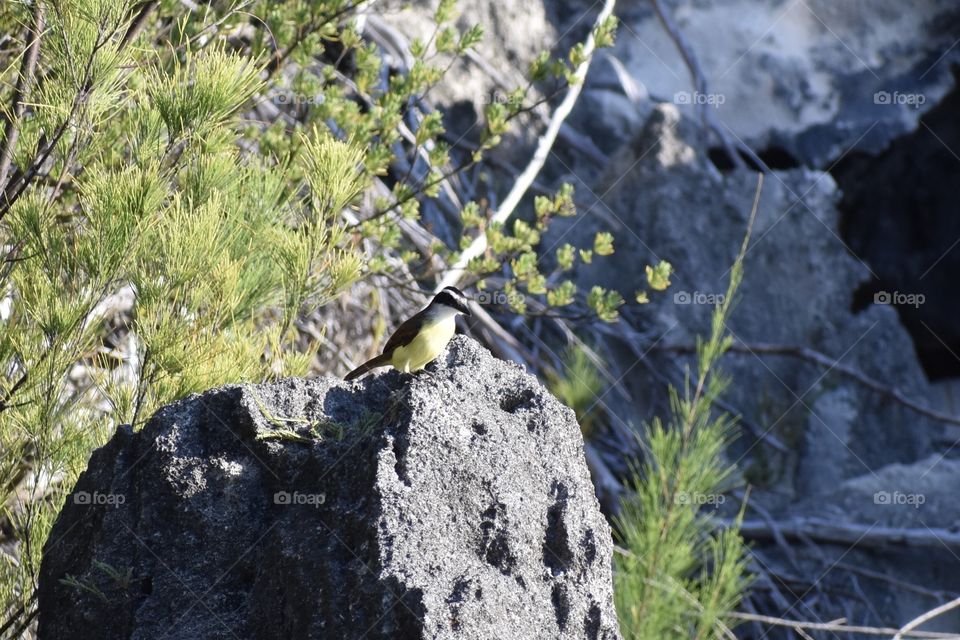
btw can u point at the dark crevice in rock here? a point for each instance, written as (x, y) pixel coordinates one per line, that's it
(774, 157)
(899, 215)
(459, 593)
(557, 554)
(591, 625)
(456, 599)
(401, 443)
(561, 605)
(517, 399)
(494, 547)
(589, 546)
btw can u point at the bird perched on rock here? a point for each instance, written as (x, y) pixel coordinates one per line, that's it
(419, 340)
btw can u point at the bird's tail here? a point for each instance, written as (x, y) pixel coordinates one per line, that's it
(381, 360)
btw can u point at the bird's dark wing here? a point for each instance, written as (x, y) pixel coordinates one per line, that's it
(404, 334)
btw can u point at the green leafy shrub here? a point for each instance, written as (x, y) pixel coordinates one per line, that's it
(160, 235)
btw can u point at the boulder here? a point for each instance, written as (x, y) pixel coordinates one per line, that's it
(830, 444)
(801, 82)
(454, 503)
(667, 202)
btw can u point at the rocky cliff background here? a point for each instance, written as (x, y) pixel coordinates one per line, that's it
(846, 348)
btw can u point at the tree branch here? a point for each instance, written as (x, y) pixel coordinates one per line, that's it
(28, 68)
(707, 114)
(835, 626)
(138, 23)
(544, 146)
(929, 615)
(810, 355)
(851, 534)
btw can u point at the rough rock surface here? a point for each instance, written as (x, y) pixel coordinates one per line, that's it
(664, 200)
(798, 288)
(806, 79)
(452, 504)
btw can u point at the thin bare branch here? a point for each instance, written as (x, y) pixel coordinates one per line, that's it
(838, 626)
(851, 534)
(544, 146)
(908, 629)
(21, 94)
(811, 355)
(139, 22)
(707, 113)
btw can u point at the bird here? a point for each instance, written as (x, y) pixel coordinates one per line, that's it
(419, 340)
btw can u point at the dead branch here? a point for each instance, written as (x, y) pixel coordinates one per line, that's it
(545, 144)
(850, 534)
(635, 340)
(138, 22)
(708, 117)
(929, 615)
(21, 94)
(837, 626)
(811, 355)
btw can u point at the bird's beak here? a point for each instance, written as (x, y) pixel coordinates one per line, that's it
(465, 308)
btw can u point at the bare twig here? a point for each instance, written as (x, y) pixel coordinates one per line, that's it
(545, 144)
(16, 614)
(700, 83)
(21, 94)
(138, 22)
(836, 626)
(777, 534)
(851, 534)
(640, 344)
(811, 355)
(882, 577)
(27, 621)
(908, 628)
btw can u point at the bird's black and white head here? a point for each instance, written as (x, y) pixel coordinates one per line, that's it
(452, 298)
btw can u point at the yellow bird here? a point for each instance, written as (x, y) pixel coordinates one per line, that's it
(418, 341)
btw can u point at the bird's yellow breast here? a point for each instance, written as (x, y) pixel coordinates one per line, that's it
(426, 346)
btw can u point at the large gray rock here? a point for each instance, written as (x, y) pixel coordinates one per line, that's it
(451, 504)
(808, 80)
(838, 438)
(667, 202)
